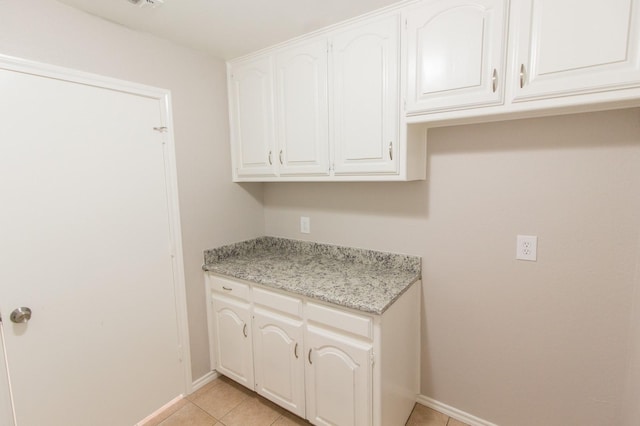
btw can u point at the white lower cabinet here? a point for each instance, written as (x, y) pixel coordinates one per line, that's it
(330, 365)
(232, 331)
(338, 373)
(279, 359)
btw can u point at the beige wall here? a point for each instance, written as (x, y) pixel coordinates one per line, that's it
(512, 342)
(213, 210)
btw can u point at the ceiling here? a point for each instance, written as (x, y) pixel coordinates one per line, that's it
(228, 28)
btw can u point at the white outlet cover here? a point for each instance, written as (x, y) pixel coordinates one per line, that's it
(305, 225)
(527, 247)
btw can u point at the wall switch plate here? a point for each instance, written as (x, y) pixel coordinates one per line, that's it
(305, 225)
(527, 247)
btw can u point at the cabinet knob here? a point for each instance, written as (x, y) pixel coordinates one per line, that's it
(494, 80)
(523, 75)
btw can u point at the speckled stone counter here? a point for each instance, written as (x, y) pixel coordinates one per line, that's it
(366, 280)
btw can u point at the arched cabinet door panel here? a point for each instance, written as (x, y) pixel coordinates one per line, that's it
(572, 47)
(365, 105)
(456, 54)
(251, 108)
(338, 371)
(279, 359)
(232, 339)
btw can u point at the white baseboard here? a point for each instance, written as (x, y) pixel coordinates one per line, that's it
(159, 410)
(207, 378)
(460, 415)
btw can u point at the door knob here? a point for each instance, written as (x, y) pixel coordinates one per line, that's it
(21, 315)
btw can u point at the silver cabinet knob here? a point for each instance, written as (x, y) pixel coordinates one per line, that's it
(21, 315)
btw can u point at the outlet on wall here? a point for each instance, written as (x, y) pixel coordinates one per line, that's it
(305, 225)
(527, 247)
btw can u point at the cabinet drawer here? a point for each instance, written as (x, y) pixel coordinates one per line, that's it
(230, 288)
(341, 320)
(279, 302)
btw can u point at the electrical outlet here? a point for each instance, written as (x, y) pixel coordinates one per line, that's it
(305, 225)
(527, 247)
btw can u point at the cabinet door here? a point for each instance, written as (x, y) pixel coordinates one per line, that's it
(456, 54)
(279, 359)
(232, 335)
(574, 46)
(338, 372)
(302, 109)
(251, 115)
(365, 98)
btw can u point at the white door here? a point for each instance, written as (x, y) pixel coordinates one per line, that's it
(456, 54)
(574, 46)
(6, 403)
(86, 245)
(365, 102)
(302, 109)
(232, 334)
(279, 359)
(339, 374)
(252, 120)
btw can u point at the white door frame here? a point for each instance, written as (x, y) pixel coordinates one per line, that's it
(164, 96)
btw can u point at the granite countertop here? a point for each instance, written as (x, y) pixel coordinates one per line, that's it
(366, 280)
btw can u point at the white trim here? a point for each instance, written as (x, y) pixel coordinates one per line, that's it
(67, 74)
(11, 63)
(204, 380)
(159, 410)
(450, 411)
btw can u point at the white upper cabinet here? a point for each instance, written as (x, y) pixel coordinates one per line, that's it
(325, 107)
(302, 109)
(251, 112)
(568, 47)
(366, 115)
(456, 54)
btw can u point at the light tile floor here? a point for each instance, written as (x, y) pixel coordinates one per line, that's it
(226, 403)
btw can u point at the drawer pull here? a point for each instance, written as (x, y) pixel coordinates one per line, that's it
(391, 151)
(309, 356)
(280, 157)
(227, 288)
(523, 75)
(244, 330)
(494, 80)
(295, 351)
(270, 163)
